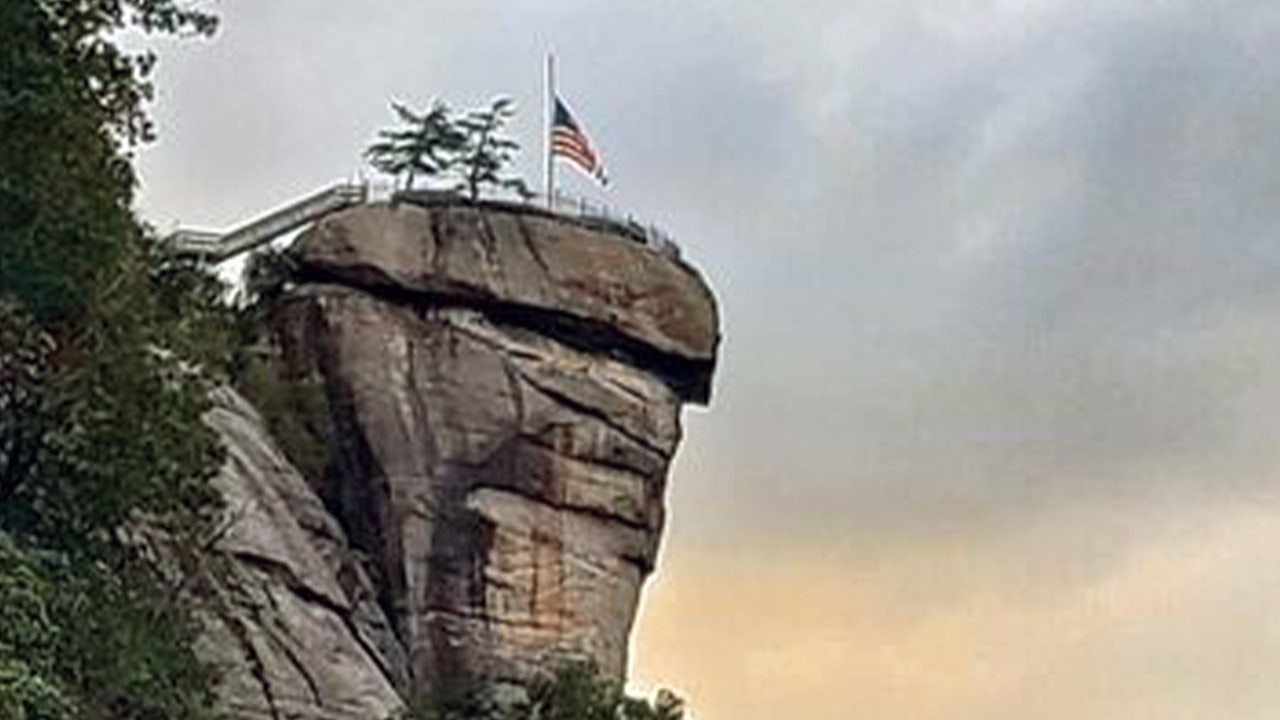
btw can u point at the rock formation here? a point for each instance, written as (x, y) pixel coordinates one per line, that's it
(291, 622)
(497, 396)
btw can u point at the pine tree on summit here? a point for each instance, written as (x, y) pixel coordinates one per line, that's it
(455, 154)
(486, 152)
(427, 146)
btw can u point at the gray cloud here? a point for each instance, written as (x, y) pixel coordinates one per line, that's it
(1048, 268)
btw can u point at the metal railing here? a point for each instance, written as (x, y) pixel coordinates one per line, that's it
(573, 208)
(580, 208)
(216, 247)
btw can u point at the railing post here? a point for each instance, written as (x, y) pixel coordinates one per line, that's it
(579, 206)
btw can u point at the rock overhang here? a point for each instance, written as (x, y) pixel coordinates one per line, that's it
(581, 283)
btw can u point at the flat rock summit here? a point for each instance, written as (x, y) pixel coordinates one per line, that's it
(452, 456)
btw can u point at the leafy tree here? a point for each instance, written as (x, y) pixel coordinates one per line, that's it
(71, 103)
(103, 340)
(106, 413)
(293, 406)
(29, 683)
(457, 153)
(577, 692)
(92, 642)
(106, 355)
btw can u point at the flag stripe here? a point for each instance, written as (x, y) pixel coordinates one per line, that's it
(579, 151)
(561, 143)
(570, 142)
(567, 138)
(584, 161)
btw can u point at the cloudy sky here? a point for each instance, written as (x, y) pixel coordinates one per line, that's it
(997, 426)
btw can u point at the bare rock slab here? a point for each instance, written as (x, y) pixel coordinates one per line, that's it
(291, 623)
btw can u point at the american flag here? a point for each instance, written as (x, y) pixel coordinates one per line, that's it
(568, 140)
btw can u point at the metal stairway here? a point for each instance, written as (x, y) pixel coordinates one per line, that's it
(214, 247)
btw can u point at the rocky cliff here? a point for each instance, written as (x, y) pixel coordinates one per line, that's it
(486, 403)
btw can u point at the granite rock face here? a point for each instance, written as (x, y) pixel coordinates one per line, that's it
(501, 402)
(290, 620)
(524, 267)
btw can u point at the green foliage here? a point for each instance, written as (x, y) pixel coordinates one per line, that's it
(267, 274)
(294, 406)
(106, 356)
(486, 152)
(92, 639)
(30, 688)
(190, 307)
(295, 410)
(108, 353)
(127, 653)
(109, 422)
(426, 146)
(453, 153)
(575, 692)
(69, 101)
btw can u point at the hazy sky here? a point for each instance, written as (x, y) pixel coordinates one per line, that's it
(997, 425)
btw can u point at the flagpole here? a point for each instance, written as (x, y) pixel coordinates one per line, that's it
(549, 159)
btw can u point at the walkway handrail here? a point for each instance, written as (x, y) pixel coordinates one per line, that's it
(215, 247)
(573, 208)
(579, 207)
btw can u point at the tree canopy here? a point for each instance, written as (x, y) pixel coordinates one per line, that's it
(71, 106)
(450, 152)
(107, 351)
(426, 146)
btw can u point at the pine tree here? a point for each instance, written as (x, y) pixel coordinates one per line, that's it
(466, 153)
(427, 145)
(486, 153)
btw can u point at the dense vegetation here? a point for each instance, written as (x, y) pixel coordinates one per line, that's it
(106, 354)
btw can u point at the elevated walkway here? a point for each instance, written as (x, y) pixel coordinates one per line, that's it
(215, 247)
